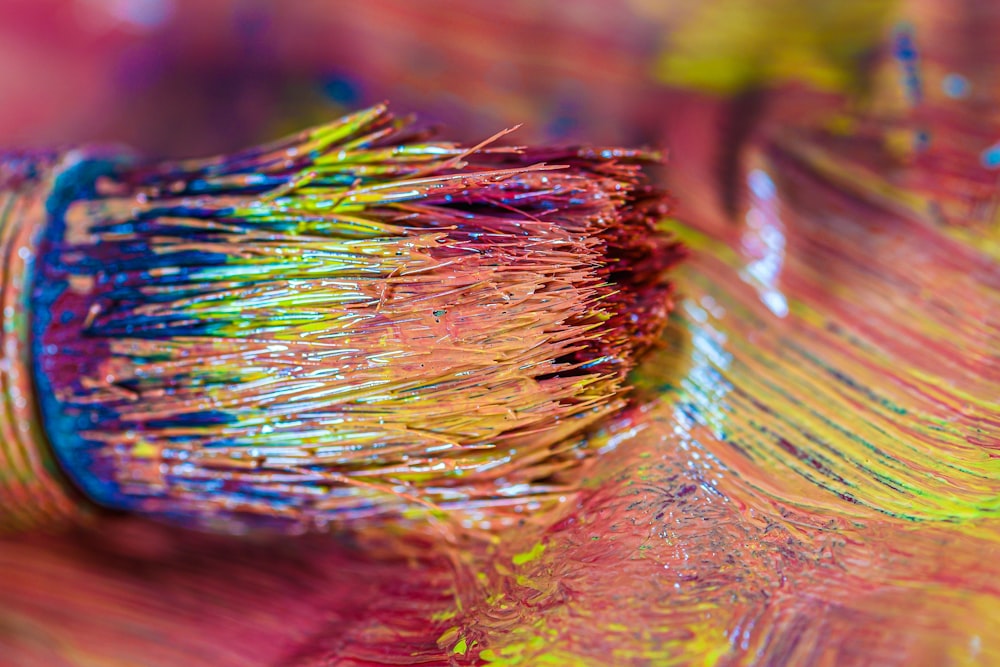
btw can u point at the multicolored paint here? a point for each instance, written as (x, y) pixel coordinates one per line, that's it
(924, 141)
(32, 491)
(817, 486)
(349, 322)
(810, 477)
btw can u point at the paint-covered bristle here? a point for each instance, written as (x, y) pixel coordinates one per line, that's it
(354, 321)
(32, 491)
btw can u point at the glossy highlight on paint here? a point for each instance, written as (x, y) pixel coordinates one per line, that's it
(808, 472)
(353, 321)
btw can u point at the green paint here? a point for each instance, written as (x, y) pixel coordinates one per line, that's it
(530, 555)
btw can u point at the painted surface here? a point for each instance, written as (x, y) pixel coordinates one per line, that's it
(812, 478)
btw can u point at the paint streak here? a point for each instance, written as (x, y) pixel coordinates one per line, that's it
(817, 486)
(810, 475)
(813, 484)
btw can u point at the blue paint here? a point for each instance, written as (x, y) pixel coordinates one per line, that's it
(63, 427)
(341, 89)
(955, 86)
(204, 418)
(562, 126)
(904, 50)
(991, 156)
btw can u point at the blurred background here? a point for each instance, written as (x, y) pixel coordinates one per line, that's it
(702, 79)
(835, 170)
(177, 77)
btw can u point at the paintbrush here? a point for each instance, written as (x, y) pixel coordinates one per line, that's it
(355, 321)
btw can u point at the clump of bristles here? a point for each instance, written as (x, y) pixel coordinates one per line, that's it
(355, 321)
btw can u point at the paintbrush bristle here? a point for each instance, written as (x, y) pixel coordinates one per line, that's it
(353, 321)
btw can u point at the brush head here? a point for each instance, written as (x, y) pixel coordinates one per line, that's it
(354, 321)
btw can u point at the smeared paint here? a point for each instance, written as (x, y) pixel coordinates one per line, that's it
(349, 322)
(31, 490)
(927, 144)
(803, 479)
(827, 474)
(904, 50)
(722, 525)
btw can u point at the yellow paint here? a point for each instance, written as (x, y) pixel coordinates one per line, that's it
(530, 555)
